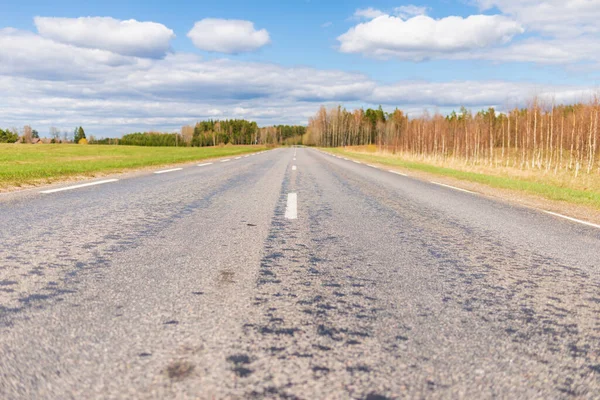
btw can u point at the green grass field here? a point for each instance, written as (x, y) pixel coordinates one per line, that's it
(22, 164)
(538, 185)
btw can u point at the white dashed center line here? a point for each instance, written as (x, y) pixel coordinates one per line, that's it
(205, 164)
(291, 210)
(226, 160)
(78, 186)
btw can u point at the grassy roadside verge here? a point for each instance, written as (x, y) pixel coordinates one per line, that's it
(535, 186)
(25, 165)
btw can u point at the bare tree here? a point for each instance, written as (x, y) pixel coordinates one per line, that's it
(27, 134)
(55, 134)
(187, 132)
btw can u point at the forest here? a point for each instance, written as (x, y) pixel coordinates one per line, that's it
(541, 136)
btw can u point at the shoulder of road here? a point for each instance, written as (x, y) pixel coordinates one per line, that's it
(575, 212)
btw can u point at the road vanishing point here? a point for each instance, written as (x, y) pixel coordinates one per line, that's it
(292, 274)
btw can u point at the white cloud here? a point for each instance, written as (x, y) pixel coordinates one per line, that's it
(422, 37)
(368, 13)
(227, 36)
(24, 53)
(563, 31)
(404, 12)
(555, 17)
(326, 24)
(547, 51)
(408, 11)
(130, 38)
(46, 83)
(476, 94)
(110, 109)
(54, 84)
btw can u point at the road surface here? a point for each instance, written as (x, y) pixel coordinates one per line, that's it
(250, 278)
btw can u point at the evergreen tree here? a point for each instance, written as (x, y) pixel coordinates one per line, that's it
(8, 137)
(78, 134)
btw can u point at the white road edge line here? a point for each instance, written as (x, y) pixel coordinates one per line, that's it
(164, 171)
(371, 165)
(293, 167)
(78, 186)
(205, 164)
(291, 210)
(570, 218)
(452, 187)
(396, 172)
(237, 158)
(226, 160)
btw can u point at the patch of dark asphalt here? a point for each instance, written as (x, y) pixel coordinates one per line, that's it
(179, 370)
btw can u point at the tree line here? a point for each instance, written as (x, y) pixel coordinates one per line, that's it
(541, 136)
(214, 133)
(203, 133)
(30, 135)
(239, 131)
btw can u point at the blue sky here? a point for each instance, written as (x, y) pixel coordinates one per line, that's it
(278, 61)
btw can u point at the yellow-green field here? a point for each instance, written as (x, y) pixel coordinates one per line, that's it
(584, 190)
(22, 164)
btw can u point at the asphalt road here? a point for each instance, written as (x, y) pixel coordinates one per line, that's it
(204, 283)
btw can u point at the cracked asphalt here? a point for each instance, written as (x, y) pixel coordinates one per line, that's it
(193, 284)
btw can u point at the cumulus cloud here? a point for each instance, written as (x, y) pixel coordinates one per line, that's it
(422, 37)
(562, 32)
(129, 38)
(25, 53)
(228, 36)
(554, 17)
